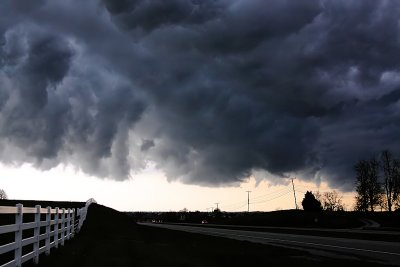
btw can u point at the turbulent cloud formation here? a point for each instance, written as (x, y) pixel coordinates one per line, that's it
(209, 91)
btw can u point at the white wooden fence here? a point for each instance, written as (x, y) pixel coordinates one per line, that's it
(59, 225)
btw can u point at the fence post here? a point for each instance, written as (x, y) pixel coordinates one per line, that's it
(56, 227)
(18, 236)
(36, 235)
(48, 224)
(73, 222)
(63, 227)
(68, 223)
(79, 213)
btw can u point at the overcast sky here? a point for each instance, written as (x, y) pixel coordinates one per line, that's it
(208, 92)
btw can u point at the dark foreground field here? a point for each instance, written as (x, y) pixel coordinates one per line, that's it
(110, 238)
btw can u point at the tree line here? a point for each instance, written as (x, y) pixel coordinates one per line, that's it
(378, 183)
(329, 201)
(377, 186)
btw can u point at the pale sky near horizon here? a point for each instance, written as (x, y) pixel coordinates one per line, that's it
(150, 191)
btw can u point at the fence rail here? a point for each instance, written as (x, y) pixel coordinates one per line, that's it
(59, 225)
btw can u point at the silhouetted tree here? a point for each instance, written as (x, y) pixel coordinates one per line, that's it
(310, 203)
(397, 183)
(318, 196)
(3, 194)
(391, 179)
(369, 191)
(383, 203)
(332, 201)
(361, 169)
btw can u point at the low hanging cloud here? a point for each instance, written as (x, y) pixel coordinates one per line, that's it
(209, 91)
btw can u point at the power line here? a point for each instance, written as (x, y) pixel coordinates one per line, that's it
(282, 194)
(270, 193)
(233, 204)
(267, 196)
(275, 197)
(259, 198)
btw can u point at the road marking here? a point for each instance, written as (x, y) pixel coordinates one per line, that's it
(284, 240)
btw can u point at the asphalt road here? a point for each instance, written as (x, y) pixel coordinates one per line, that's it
(374, 251)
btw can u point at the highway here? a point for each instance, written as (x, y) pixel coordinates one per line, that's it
(373, 251)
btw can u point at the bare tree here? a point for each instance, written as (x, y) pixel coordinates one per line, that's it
(383, 203)
(3, 194)
(396, 174)
(368, 189)
(390, 178)
(374, 188)
(361, 169)
(318, 196)
(332, 201)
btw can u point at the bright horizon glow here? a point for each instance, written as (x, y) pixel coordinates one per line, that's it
(150, 191)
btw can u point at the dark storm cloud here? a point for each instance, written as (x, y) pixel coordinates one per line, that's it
(210, 91)
(149, 15)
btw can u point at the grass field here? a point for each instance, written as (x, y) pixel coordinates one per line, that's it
(111, 238)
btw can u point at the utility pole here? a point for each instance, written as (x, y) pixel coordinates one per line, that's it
(294, 193)
(217, 205)
(248, 201)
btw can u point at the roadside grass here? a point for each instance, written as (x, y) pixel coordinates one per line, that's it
(111, 238)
